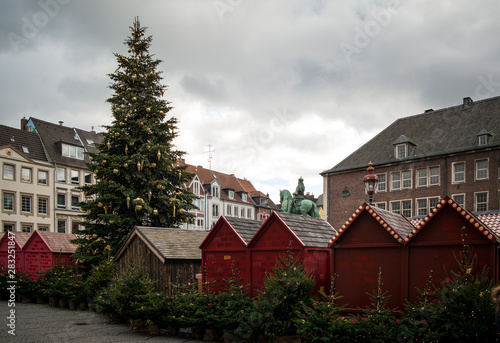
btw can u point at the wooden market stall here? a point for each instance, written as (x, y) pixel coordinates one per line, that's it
(43, 250)
(305, 236)
(169, 256)
(13, 241)
(370, 242)
(438, 240)
(224, 251)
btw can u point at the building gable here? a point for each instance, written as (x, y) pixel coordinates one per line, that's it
(223, 236)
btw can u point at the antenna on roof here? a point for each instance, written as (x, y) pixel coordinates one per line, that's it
(210, 151)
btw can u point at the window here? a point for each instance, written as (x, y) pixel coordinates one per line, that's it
(422, 177)
(75, 177)
(482, 170)
(406, 176)
(428, 176)
(25, 149)
(459, 199)
(242, 214)
(229, 210)
(25, 174)
(215, 210)
(244, 197)
(61, 226)
(43, 206)
(72, 151)
(26, 228)
(395, 181)
(8, 201)
(8, 227)
(396, 207)
(236, 211)
(43, 177)
(458, 170)
(75, 227)
(75, 199)
(26, 204)
(382, 183)
(425, 205)
(43, 228)
(8, 172)
(88, 178)
(381, 205)
(215, 191)
(61, 174)
(196, 188)
(433, 176)
(249, 213)
(401, 180)
(401, 207)
(481, 201)
(401, 151)
(61, 200)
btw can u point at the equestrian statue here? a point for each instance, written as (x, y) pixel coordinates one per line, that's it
(297, 204)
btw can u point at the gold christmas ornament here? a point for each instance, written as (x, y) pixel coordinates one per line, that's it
(117, 134)
(153, 165)
(108, 144)
(139, 166)
(159, 186)
(148, 147)
(134, 98)
(122, 123)
(161, 112)
(126, 150)
(103, 161)
(99, 204)
(148, 109)
(158, 154)
(115, 171)
(149, 195)
(125, 165)
(133, 77)
(138, 207)
(128, 202)
(89, 212)
(155, 212)
(181, 210)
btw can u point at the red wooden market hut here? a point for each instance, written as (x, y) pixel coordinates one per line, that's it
(13, 240)
(306, 236)
(44, 250)
(372, 240)
(167, 255)
(437, 241)
(225, 248)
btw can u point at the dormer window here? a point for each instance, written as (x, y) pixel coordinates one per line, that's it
(72, 151)
(230, 194)
(403, 148)
(244, 197)
(215, 191)
(484, 137)
(401, 151)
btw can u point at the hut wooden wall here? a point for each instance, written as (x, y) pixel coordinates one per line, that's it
(174, 271)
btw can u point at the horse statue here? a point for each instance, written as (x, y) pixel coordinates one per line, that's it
(304, 207)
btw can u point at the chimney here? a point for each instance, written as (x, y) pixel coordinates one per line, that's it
(61, 122)
(24, 121)
(93, 131)
(467, 103)
(429, 110)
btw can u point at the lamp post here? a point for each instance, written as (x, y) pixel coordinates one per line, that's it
(370, 180)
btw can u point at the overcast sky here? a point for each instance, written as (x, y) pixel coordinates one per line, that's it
(277, 89)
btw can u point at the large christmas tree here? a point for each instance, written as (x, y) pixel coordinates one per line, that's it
(139, 178)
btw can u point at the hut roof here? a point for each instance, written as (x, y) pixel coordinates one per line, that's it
(56, 242)
(245, 228)
(492, 233)
(20, 237)
(169, 243)
(312, 232)
(396, 224)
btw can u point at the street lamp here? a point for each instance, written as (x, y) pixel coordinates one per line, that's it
(370, 181)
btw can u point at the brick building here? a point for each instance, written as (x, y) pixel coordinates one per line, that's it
(420, 159)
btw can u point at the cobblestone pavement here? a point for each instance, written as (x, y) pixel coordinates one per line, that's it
(41, 323)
